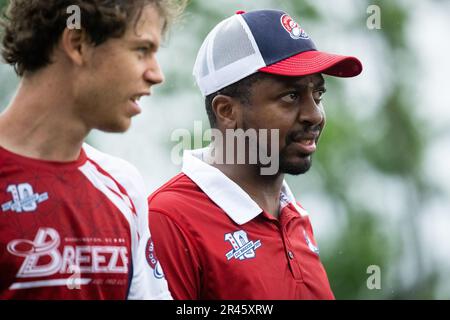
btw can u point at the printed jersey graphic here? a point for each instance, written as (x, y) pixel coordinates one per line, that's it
(23, 198)
(242, 247)
(84, 259)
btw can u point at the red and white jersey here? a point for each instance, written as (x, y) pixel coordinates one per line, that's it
(215, 242)
(75, 230)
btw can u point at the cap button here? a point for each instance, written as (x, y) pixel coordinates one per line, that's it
(240, 12)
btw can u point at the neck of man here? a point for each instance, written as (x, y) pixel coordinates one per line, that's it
(40, 122)
(263, 189)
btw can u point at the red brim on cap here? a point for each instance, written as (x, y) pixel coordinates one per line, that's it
(311, 62)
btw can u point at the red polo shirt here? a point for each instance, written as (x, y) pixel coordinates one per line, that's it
(214, 242)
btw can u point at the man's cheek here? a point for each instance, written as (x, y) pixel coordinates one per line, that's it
(322, 111)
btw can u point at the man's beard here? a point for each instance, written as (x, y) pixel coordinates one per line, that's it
(301, 166)
(295, 168)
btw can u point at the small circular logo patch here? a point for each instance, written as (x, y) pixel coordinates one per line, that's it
(153, 260)
(293, 28)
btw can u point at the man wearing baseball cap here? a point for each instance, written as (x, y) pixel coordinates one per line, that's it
(227, 230)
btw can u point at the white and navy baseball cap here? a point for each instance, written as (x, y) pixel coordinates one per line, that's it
(267, 41)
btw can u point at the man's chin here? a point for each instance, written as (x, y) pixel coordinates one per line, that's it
(300, 166)
(116, 127)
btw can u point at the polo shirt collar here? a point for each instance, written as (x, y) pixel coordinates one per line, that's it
(224, 192)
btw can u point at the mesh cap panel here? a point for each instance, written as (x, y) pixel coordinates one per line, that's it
(228, 54)
(231, 43)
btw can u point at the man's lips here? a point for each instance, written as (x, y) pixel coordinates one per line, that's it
(306, 143)
(135, 108)
(135, 99)
(306, 146)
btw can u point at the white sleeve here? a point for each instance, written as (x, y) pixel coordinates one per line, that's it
(147, 279)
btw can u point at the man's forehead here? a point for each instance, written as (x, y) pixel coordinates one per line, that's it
(147, 25)
(313, 80)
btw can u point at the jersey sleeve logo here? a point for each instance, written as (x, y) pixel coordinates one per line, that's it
(24, 199)
(242, 247)
(310, 244)
(153, 260)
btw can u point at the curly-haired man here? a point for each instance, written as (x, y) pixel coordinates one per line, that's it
(74, 220)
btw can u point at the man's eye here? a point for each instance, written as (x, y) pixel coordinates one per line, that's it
(143, 50)
(290, 98)
(318, 95)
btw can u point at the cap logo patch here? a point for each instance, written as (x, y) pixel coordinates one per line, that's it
(293, 28)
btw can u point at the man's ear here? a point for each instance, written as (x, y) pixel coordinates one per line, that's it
(74, 44)
(227, 111)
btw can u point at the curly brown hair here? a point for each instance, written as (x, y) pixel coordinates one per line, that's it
(32, 28)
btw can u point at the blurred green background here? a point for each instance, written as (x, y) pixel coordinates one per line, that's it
(379, 190)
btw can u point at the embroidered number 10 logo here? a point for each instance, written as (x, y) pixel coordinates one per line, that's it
(242, 247)
(23, 198)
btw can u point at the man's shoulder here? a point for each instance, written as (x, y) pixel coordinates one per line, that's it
(120, 170)
(107, 160)
(176, 189)
(180, 192)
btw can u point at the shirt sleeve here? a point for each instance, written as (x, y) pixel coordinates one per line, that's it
(177, 255)
(147, 282)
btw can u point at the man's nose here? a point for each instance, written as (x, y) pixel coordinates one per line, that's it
(154, 74)
(311, 113)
